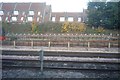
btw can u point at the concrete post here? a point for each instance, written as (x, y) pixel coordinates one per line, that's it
(109, 45)
(41, 60)
(49, 44)
(88, 44)
(14, 44)
(32, 44)
(68, 45)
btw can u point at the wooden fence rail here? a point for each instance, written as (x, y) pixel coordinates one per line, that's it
(88, 44)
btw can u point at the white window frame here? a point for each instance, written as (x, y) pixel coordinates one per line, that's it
(31, 12)
(1, 13)
(30, 19)
(38, 19)
(0, 18)
(23, 13)
(22, 18)
(62, 19)
(14, 18)
(70, 19)
(39, 13)
(16, 12)
(79, 19)
(53, 19)
(8, 13)
(6, 19)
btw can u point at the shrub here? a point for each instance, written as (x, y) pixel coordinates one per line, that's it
(100, 29)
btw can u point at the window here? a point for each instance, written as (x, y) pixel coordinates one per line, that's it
(62, 19)
(23, 13)
(16, 13)
(53, 19)
(6, 19)
(0, 18)
(21, 18)
(14, 18)
(31, 12)
(79, 19)
(38, 13)
(30, 18)
(1, 13)
(8, 13)
(38, 19)
(70, 19)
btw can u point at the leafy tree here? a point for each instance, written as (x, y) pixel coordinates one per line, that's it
(103, 14)
(78, 27)
(81, 27)
(65, 27)
(73, 27)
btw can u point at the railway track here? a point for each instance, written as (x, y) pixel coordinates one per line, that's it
(61, 65)
(61, 68)
(85, 65)
(62, 60)
(61, 53)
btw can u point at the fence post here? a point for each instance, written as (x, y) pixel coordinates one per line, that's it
(109, 45)
(32, 44)
(68, 45)
(14, 44)
(49, 44)
(41, 60)
(88, 45)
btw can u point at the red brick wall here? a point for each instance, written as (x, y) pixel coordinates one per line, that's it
(45, 10)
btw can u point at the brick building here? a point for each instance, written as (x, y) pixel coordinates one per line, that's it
(39, 12)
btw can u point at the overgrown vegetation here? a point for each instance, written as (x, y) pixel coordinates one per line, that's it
(51, 27)
(103, 16)
(100, 29)
(16, 27)
(75, 27)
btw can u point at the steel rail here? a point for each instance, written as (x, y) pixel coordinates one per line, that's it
(59, 68)
(66, 54)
